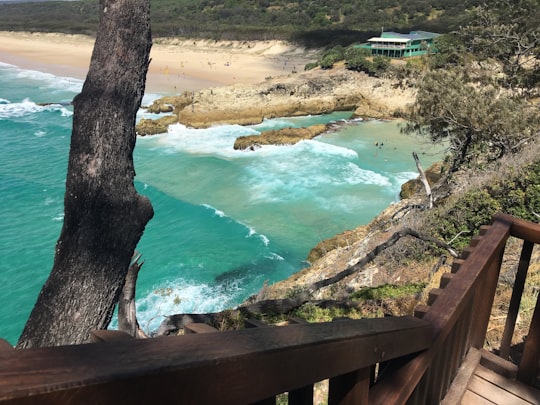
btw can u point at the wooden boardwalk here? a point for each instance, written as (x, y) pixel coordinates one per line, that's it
(485, 379)
(488, 387)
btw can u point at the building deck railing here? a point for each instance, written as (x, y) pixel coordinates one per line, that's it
(381, 361)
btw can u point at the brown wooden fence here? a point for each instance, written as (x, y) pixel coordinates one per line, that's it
(459, 312)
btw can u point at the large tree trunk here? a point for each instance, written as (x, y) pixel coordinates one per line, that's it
(104, 217)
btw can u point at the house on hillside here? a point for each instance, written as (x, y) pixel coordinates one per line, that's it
(396, 45)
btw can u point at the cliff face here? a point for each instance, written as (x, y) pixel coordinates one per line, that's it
(313, 92)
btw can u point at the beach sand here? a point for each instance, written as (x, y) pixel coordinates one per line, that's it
(176, 64)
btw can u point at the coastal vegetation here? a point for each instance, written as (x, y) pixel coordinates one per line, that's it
(312, 23)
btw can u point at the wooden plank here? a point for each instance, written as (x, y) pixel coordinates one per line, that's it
(301, 396)
(446, 278)
(350, 389)
(517, 292)
(471, 398)
(100, 336)
(6, 350)
(465, 253)
(267, 401)
(233, 367)
(528, 367)
(520, 228)
(461, 381)
(494, 392)
(295, 319)
(199, 328)
(421, 310)
(255, 323)
(525, 392)
(498, 365)
(5, 346)
(433, 295)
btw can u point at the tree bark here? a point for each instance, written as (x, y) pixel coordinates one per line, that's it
(104, 216)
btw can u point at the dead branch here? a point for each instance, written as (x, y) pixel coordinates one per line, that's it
(424, 180)
(375, 252)
(127, 315)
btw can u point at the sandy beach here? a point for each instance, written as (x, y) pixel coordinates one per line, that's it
(177, 64)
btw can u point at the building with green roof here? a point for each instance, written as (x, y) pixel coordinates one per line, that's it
(396, 45)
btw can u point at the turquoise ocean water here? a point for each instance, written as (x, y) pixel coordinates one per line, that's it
(225, 221)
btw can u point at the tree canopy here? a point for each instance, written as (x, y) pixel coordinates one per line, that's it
(478, 93)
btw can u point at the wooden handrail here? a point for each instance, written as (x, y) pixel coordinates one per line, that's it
(238, 367)
(459, 312)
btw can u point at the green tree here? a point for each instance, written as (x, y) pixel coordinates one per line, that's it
(449, 52)
(509, 32)
(480, 123)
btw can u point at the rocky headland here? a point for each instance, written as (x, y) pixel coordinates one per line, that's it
(296, 94)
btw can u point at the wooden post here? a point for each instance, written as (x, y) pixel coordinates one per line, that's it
(528, 368)
(351, 388)
(517, 292)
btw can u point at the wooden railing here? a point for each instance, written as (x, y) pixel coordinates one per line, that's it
(460, 311)
(381, 361)
(238, 367)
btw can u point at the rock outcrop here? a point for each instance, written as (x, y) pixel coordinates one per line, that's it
(313, 92)
(414, 186)
(285, 136)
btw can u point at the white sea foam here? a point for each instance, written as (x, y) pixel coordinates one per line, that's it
(403, 177)
(183, 296)
(251, 232)
(274, 256)
(4, 101)
(58, 218)
(305, 170)
(28, 107)
(217, 212)
(352, 174)
(40, 134)
(217, 141)
(50, 81)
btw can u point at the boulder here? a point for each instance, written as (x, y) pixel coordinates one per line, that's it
(286, 136)
(433, 174)
(153, 127)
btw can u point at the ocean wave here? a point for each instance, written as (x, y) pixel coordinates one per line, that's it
(263, 238)
(59, 217)
(217, 212)
(306, 171)
(353, 174)
(251, 232)
(274, 256)
(28, 107)
(403, 177)
(52, 82)
(183, 296)
(216, 141)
